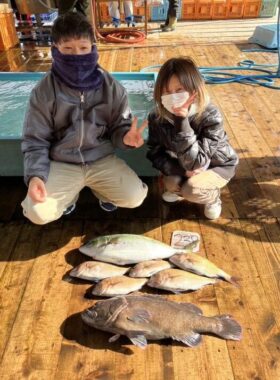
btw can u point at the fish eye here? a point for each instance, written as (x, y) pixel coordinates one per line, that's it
(92, 313)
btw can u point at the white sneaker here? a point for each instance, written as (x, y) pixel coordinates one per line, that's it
(213, 210)
(169, 197)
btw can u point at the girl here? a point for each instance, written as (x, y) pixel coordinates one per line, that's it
(187, 142)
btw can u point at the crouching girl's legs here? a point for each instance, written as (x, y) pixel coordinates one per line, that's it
(204, 188)
(64, 183)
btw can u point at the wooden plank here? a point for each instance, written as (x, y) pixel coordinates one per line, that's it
(15, 190)
(14, 278)
(249, 304)
(9, 235)
(107, 59)
(123, 60)
(36, 339)
(243, 125)
(266, 166)
(265, 249)
(253, 200)
(220, 98)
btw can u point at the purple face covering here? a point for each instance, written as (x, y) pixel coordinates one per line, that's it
(80, 72)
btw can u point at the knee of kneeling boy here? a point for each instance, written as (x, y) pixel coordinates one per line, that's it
(135, 199)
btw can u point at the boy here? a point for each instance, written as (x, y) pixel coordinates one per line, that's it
(77, 114)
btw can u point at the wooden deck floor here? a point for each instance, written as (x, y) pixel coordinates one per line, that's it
(42, 335)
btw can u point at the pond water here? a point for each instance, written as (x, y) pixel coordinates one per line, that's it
(14, 97)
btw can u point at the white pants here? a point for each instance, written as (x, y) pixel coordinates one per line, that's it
(203, 188)
(115, 12)
(110, 179)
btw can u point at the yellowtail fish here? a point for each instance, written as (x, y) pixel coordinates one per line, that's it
(148, 268)
(176, 280)
(143, 318)
(122, 249)
(200, 265)
(119, 285)
(96, 271)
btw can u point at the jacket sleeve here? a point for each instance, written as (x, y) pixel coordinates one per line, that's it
(160, 159)
(121, 117)
(194, 153)
(37, 136)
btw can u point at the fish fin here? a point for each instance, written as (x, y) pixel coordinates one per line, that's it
(146, 295)
(191, 307)
(135, 293)
(114, 338)
(191, 339)
(139, 341)
(230, 328)
(139, 316)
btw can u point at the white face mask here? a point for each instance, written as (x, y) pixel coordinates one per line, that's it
(175, 100)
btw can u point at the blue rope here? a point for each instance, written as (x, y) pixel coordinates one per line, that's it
(217, 75)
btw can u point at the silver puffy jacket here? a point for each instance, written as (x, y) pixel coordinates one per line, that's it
(189, 144)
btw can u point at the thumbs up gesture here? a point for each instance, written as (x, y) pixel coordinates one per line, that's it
(134, 136)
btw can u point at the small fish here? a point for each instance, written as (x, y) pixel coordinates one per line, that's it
(148, 268)
(176, 280)
(119, 285)
(122, 249)
(200, 265)
(96, 271)
(151, 317)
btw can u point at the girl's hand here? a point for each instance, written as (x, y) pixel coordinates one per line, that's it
(134, 136)
(37, 190)
(184, 109)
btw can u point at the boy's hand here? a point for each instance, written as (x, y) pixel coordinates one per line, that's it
(134, 136)
(184, 109)
(190, 173)
(37, 190)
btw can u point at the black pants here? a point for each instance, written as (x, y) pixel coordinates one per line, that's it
(173, 8)
(65, 6)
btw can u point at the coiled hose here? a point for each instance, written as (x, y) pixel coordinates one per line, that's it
(118, 36)
(222, 74)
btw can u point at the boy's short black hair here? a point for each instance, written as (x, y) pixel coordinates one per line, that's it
(72, 25)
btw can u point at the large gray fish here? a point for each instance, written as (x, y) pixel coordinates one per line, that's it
(177, 280)
(125, 249)
(200, 265)
(119, 285)
(96, 271)
(151, 317)
(148, 268)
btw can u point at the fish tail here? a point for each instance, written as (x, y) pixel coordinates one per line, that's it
(232, 279)
(74, 272)
(229, 328)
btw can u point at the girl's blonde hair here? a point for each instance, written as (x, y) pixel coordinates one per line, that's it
(185, 69)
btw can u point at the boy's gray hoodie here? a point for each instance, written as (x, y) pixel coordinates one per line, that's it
(65, 125)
